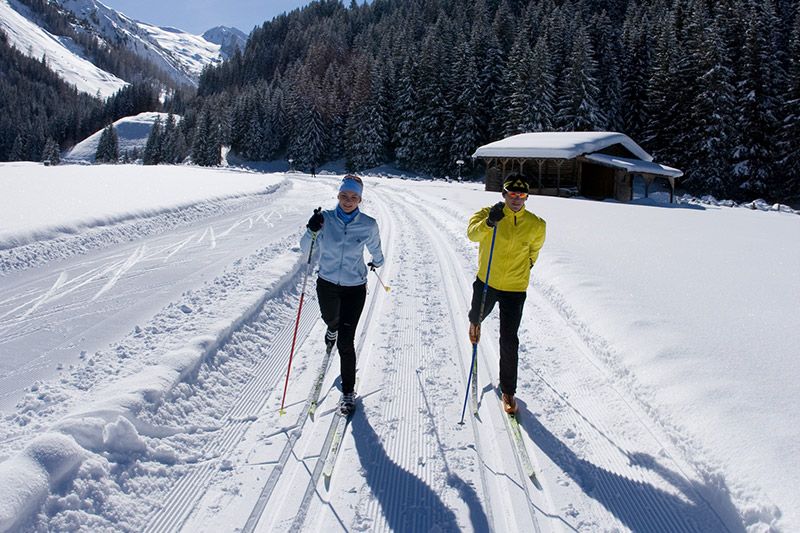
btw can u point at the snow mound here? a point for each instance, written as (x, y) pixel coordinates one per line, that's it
(132, 133)
(26, 480)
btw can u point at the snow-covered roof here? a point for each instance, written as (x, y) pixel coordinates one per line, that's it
(561, 145)
(635, 165)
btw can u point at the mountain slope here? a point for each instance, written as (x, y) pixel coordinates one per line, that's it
(178, 53)
(98, 49)
(61, 54)
(228, 38)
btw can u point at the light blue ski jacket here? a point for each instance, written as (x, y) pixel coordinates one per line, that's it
(340, 248)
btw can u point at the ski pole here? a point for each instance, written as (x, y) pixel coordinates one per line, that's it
(297, 322)
(385, 287)
(473, 367)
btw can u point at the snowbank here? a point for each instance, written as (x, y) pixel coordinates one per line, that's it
(109, 424)
(40, 203)
(27, 479)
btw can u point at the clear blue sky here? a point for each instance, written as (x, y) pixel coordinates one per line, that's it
(197, 16)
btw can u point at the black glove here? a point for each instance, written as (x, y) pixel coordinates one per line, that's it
(495, 214)
(371, 266)
(316, 220)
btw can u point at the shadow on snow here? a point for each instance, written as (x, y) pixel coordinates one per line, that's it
(408, 503)
(638, 505)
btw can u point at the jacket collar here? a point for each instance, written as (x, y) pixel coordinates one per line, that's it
(509, 213)
(346, 218)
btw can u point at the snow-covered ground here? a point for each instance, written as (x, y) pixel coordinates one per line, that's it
(132, 133)
(146, 353)
(61, 54)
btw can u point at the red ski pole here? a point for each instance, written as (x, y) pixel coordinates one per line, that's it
(297, 322)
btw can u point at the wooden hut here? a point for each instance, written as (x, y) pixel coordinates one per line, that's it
(594, 164)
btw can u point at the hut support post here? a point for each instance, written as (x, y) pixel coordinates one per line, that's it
(559, 162)
(540, 163)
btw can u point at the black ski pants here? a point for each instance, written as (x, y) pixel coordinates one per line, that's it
(341, 309)
(511, 304)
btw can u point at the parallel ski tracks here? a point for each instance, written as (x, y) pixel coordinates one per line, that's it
(446, 259)
(643, 507)
(190, 488)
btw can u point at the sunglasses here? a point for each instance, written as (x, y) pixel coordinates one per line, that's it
(513, 194)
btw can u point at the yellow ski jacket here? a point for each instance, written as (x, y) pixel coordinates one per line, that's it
(520, 236)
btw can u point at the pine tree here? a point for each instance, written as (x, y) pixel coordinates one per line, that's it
(174, 142)
(659, 106)
(206, 148)
(108, 146)
(364, 135)
(517, 101)
(542, 81)
(21, 147)
(757, 125)
(308, 138)
(406, 112)
(464, 139)
(491, 60)
(578, 109)
(711, 145)
(153, 149)
(434, 117)
(635, 64)
(790, 133)
(608, 56)
(51, 153)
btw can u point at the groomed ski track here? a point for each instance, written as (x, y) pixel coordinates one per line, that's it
(405, 463)
(221, 457)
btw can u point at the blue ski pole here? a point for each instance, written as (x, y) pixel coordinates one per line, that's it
(480, 319)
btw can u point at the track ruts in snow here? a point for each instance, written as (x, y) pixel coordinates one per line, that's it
(184, 495)
(636, 489)
(515, 498)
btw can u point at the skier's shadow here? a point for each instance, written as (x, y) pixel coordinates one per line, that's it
(408, 503)
(639, 505)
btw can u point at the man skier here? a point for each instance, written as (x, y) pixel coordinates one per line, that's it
(520, 236)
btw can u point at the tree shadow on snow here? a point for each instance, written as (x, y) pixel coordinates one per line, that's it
(638, 505)
(408, 503)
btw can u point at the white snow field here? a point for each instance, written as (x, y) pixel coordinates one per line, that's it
(145, 344)
(132, 133)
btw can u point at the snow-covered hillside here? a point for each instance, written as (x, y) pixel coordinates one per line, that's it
(146, 350)
(181, 54)
(132, 134)
(61, 54)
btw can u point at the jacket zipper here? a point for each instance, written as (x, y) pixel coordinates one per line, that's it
(341, 257)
